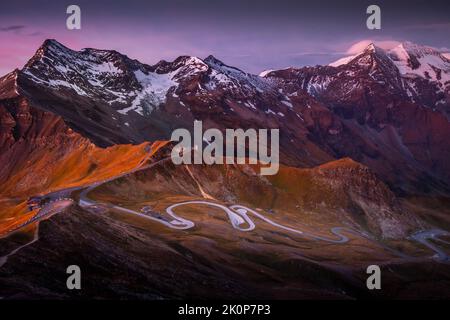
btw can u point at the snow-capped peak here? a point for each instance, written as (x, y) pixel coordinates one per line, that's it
(212, 60)
(8, 85)
(53, 45)
(265, 73)
(417, 50)
(128, 85)
(412, 60)
(342, 61)
(89, 72)
(224, 75)
(370, 49)
(218, 65)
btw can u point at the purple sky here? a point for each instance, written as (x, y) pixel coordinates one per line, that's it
(251, 34)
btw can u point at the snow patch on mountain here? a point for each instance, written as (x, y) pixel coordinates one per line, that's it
(265, 73)
(342, 61)
(412, 61)
(154, 91)
(224, 75)
(318, 84)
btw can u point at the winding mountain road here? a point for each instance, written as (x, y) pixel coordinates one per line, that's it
(238, 215)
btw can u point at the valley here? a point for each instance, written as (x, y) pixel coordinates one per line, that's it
(86, 178)
(216, 228)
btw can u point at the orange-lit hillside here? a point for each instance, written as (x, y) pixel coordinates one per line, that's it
(85, 164)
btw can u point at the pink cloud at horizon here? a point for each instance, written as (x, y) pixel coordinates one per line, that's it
(362, 44)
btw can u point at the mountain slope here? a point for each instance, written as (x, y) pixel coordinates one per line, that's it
(424, 72)
(369, 108)
(111, 99)
(352, 140)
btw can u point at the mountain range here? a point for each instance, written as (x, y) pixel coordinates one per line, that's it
(386, 109)
(363, 143)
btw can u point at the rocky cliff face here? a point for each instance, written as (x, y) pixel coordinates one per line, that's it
(25, 131)
(396, 101)
(39, 152)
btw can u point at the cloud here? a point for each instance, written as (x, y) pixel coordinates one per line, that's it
(13, 28)
(35, 34)
(17, 29)
(361, 45)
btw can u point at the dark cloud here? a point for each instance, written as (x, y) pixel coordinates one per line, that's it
(13, 28)
(35, 34)
(18, 30)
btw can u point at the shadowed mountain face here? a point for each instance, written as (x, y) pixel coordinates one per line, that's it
(362, 145)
